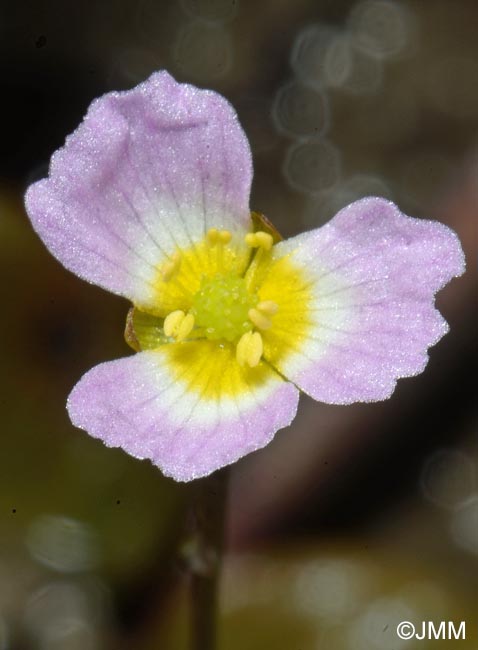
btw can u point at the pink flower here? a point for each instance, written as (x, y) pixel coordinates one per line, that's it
(149, 198)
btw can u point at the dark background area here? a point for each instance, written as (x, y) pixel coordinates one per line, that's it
(354, 517)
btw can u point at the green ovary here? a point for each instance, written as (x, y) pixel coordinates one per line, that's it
(221, 306)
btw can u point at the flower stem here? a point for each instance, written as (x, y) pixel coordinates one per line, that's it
(205, 558)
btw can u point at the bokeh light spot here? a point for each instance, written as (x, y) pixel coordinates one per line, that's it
(300, 110)
(62, 543)
(312, 166)
(203, 51)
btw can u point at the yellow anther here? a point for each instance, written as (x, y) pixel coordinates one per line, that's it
(259, 319)
(265, 240)
(185, 327)
(215, 236)
(212, 236)
(171, 266)
(178, 324)
(249, 349)
(259, 239)
(268, 307)
(172, 322)
(224, 236)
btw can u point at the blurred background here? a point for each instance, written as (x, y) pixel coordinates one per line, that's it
(354, 518)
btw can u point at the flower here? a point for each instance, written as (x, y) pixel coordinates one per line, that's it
(149, 198)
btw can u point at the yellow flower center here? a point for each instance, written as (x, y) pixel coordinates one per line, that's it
(223, 293)
(225, 306)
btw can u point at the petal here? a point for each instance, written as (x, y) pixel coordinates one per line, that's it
(187, 407)
(359, 312)
(149, 170)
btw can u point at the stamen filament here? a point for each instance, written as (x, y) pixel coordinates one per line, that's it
(218, 239)
(171, 267)
(263, 242)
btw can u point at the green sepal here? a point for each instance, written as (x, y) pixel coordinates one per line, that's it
(144, 331)
(261, 222)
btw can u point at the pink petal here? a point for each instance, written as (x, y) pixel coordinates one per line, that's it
(373, 275)
(148, 170)
(137, 403)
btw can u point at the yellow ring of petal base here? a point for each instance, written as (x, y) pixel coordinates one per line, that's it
(287, 285)
(178, 279)
(210, 369)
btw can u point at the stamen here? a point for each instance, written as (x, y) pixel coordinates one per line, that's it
(212, 236)
(250, 239)
(268, 307)
(185, 327)
(171, 267)
(178, 324)
(215, 236)
(259, 239)
(249, 349)
(259, 319)
(172, 321)
(224, 236)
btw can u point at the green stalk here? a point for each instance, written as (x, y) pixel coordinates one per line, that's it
(204, 554)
